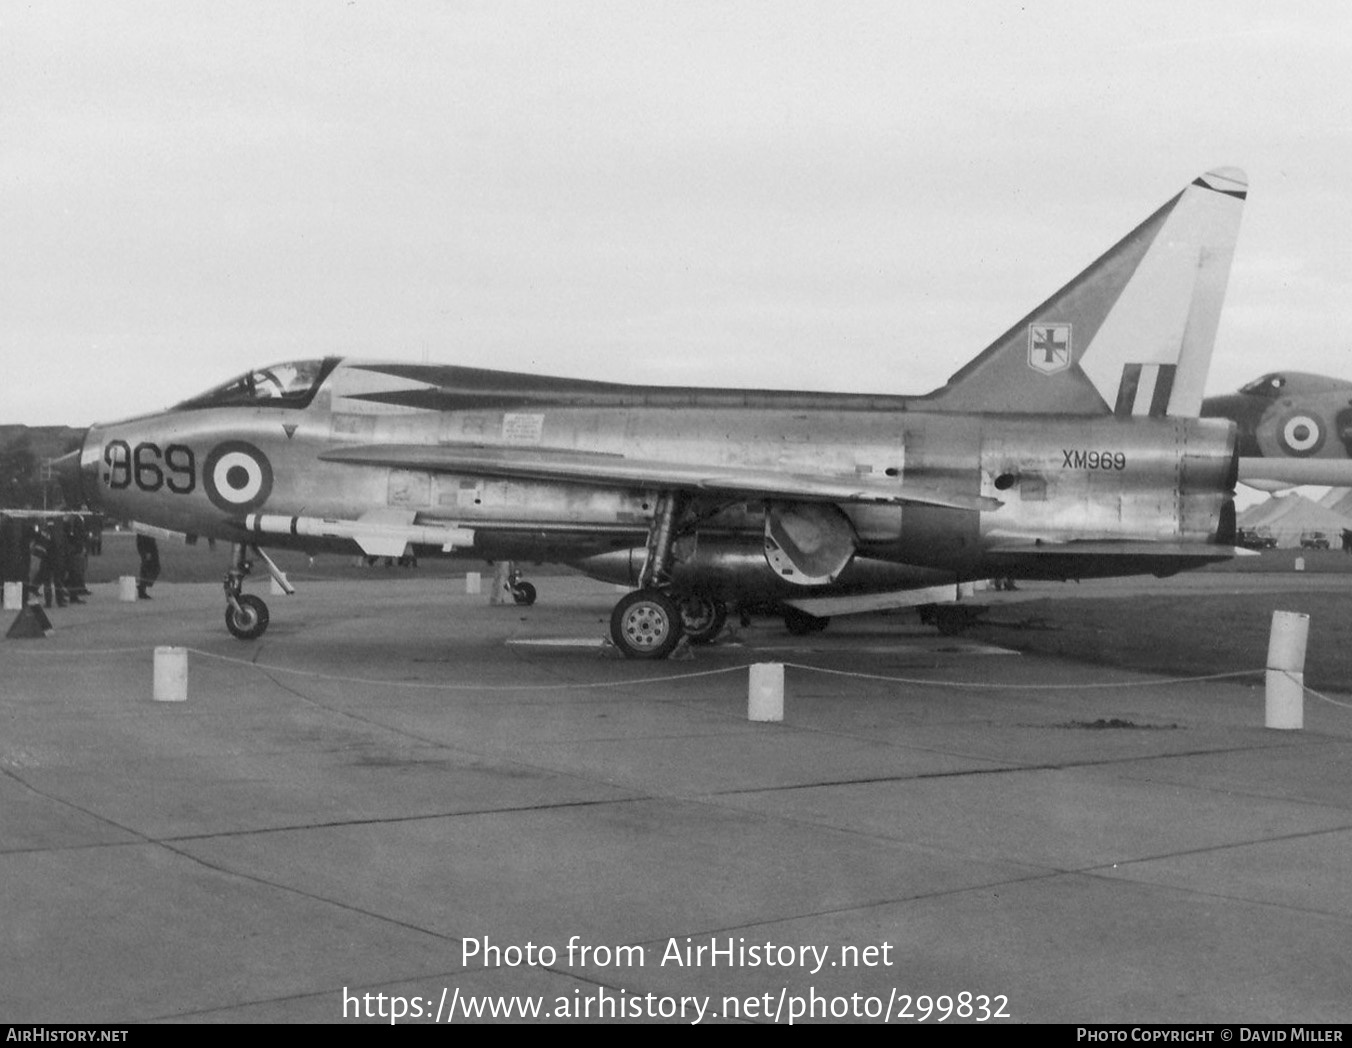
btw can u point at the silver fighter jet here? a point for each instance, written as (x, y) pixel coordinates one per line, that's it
(1071, 447)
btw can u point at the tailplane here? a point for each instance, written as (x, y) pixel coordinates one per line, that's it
(1130, 336)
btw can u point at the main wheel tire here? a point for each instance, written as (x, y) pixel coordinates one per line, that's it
(524, 593)
(800, 623)
(645, 624)
(702, 618)
(249, 622)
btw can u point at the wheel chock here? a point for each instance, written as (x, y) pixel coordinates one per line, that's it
(32, 621)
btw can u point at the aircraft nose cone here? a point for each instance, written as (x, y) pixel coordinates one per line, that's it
(69, 474)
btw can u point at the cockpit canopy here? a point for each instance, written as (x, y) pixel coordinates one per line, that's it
(1267, 386)
(289, 385)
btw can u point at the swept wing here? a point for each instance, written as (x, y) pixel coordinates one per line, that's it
(591, 467)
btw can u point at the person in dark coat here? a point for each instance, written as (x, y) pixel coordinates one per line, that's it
(60, 558)
(77, 543)
(43, 550)
(149, 552)
(28, 537)
(11, 540)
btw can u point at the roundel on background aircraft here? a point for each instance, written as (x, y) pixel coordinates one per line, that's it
(1301, 433)
(237, 477)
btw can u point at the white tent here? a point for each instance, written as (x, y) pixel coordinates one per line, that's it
(1339, 500)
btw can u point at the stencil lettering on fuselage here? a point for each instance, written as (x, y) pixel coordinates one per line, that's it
(409, 489)
(520, 428)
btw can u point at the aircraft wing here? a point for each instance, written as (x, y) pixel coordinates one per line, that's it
(591, 467)
(1269, 473)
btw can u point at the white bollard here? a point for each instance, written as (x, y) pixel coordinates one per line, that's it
(171, 674)
(1286, 670)
(473, 582)
(765, 692)
(1300, 563)
(126, 588)
(13, 596)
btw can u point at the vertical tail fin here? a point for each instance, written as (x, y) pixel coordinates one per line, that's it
(1132, 335)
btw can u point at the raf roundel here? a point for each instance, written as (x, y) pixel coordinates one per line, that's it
(237, 476)
(1301, 435)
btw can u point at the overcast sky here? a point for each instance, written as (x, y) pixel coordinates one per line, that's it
(844, 196)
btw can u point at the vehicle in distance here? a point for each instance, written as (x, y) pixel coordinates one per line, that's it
(1314, 540)
(1255, 538)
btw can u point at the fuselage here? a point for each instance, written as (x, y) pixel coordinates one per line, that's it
(256, 449)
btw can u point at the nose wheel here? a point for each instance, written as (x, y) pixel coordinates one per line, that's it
(247, 617)
(645, 624)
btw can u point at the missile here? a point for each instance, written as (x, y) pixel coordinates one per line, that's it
(378, 536)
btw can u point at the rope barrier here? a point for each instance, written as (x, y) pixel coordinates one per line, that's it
(914, 681)
(1025, 687)
(464, 687)
(65, 653)
(1325, 698)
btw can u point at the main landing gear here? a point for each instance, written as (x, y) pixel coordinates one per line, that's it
(649, 622)
(522, 591)
(646, 624)
(702, 618)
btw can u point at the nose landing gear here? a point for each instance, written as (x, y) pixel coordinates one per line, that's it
(246, 616)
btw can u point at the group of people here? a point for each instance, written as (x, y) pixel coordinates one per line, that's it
(48, 553)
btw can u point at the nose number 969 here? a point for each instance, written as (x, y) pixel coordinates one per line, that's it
(149, 467)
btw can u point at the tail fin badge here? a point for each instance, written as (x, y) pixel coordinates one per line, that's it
(1049, 347)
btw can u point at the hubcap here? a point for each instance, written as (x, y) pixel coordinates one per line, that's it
(646, 625)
